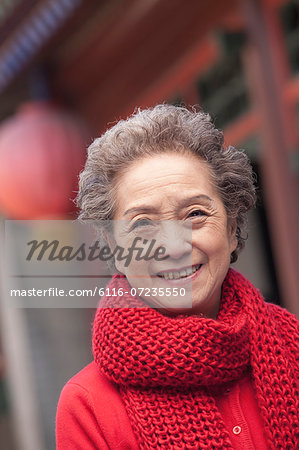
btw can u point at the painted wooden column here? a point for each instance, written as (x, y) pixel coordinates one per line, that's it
(268, 66)
(27, 426)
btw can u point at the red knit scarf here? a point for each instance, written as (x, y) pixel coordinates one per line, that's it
(164, 364)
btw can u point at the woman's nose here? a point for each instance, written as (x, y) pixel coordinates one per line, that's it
(176, 238)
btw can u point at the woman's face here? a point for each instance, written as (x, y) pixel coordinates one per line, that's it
(170, 200)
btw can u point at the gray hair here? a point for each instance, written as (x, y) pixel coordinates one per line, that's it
(157, 130)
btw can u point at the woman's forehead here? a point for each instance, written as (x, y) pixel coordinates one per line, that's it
(155, 182)
(165, 165)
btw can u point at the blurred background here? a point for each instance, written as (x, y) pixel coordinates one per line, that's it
(69, 69)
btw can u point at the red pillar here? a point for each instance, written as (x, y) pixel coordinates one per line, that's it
(268, 67)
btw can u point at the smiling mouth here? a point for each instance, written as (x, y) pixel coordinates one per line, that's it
(175, 275)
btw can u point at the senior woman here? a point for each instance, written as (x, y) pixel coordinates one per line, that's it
(214, 370)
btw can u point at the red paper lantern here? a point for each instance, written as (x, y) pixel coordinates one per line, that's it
(42, 151)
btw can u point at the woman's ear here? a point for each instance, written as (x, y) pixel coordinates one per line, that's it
(232, 234)
(110, 240)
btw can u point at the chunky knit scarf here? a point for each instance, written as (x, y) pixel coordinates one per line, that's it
(163, 365)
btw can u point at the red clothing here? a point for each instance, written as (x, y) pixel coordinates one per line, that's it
(240, 412)
(92, 415)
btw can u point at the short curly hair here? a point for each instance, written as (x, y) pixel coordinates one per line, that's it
(165, 128)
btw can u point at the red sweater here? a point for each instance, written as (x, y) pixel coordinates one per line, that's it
(91, 414)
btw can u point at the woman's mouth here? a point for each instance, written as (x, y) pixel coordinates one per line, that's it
(179, 274)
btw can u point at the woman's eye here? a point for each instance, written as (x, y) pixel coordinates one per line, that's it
(197, 213)
(141, 223)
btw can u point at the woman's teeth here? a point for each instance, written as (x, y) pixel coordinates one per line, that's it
(180, 274)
